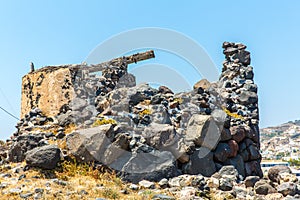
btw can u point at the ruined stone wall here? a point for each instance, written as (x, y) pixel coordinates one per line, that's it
(71, 92)
(239, 93)
(196, 132)
(48, 89)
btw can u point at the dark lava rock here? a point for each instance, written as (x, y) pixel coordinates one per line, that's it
(152, 166)
(45, 157)
(201, 162)
(23, 144)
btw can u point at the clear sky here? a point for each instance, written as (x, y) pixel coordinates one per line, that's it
(52, 32)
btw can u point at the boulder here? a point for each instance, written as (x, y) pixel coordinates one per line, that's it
(229, 171)
(116, 150)
(127, 80)
(239, 165)
(226, 184)
(225, 135)
(203, 131)
(146, 184)
(163, 183)
(137, 98)
(45, 157)
(165, 90)
(204, 84)
(187, 111)
(78, 104)
(241, 192)
(253, 152)
(238, 133)
(160, 114)
(248, 97)
(287, 189)
(222, 152)
(287, 177)
(263, 187)
(160, 136)
(164, 137)
(274, 172)
(187, 193)
(23, 144)
(65, 119)
(152, 166)
(234, 147)
(213, 182)
(249, 74)
(253, 168)
(187, 180)
(201, 162)
(243, 57)
(251, 180)
(90, 144)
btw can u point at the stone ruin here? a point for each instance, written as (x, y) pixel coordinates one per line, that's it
(139, 131)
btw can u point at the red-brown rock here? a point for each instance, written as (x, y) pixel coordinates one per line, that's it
(238, 133)
(234, 147)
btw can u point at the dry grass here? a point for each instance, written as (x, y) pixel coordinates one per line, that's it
(145, 112)
(234, 115)
(179, 100)
(52, 128)
(83, 182)
(70, 128)
(104, 121)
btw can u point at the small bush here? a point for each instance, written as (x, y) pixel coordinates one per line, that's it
(72, 168)
(110, 194)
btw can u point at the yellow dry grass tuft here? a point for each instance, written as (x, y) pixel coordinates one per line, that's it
(104, 121)
(179, 100)
(82, 181)
(145, 112)
(234, 115)
(70, 128)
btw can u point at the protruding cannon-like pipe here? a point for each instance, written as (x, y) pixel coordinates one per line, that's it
(125, 59)
(139, 57)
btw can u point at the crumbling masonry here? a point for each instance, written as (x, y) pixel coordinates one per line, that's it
(142, 132)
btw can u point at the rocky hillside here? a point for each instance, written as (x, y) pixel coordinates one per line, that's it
(281, 142)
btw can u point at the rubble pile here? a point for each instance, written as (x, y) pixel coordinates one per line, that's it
(146, 133)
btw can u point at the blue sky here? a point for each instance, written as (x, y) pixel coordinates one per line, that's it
(61, 32)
